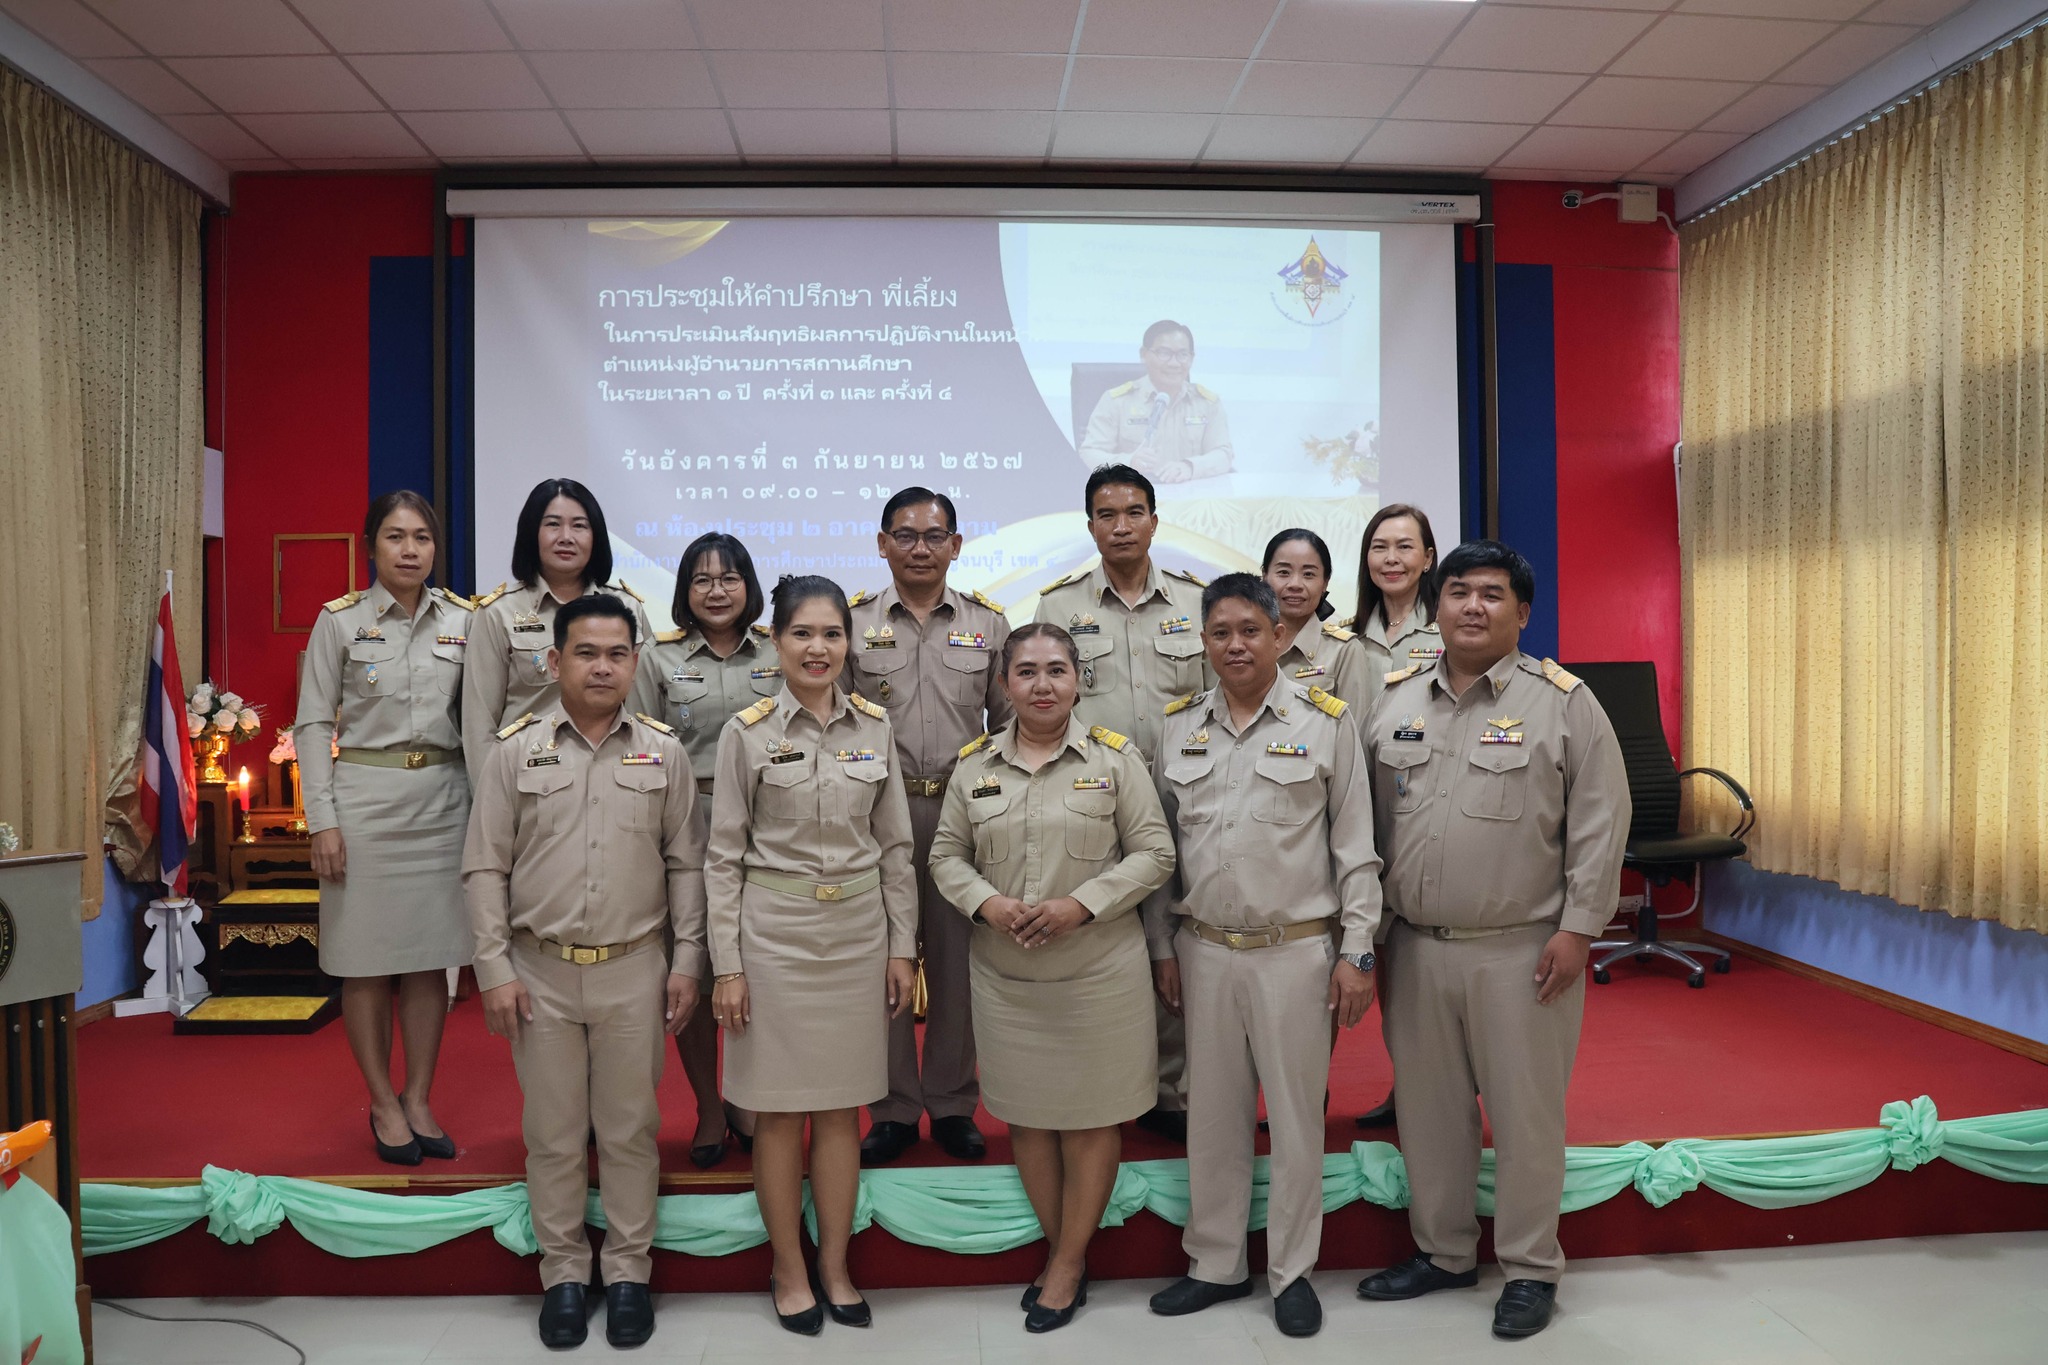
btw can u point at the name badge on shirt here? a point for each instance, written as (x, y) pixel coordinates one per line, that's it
(1503, 730)
(642, 760)
(1174, 625)
(988, 786)
(1288, 750)
(451, 639)
(527, 620)
(1091, 784)
(543, 760)
(1084, 624)
(788, 756)
(684, 675)
(964, 639)
(1409, 730)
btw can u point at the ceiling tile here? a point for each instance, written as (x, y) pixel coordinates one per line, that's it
(1543, 40)
(1089, 136)
(1154, 85)
(1641, 102)
(219, 136)
(70, 27)
(1285, 141)
(1415, 142)
(368, 163)
(1333, 89)
(653, 132)
(626, 80)
(210, 28)
(1848, 52)
(297, 135)
(802, 80)
(1689, 153)
(1486, 96)
(275, 85)
(1175, 28)
(405, 25)
(1710, 48)
(1762, 107)
(480, 80)
(795, 134)
(1407, 34)
(615, 25)
(974, 134)
(1912, 11)
(955, 26)
(976, 80)
(150, 85)
(506, 133)
(1585, 149)
(837, 26)
(1831, 10)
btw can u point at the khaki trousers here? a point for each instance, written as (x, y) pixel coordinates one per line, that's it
(1173, 1058)
(1462, 1024)
(945, 1087)
(1256, 1018)
(589, 1062)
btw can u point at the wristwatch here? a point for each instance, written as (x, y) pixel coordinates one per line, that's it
(1365, 962)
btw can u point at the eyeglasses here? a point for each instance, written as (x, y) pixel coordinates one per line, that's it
(1173, 357)
(933, 540)
(731, 582)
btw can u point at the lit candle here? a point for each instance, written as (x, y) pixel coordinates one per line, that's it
(243, 782)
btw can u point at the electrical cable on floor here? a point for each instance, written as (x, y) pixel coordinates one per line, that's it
(232, 1322)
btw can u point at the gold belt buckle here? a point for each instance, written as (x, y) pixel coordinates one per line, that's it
(1233, 939)
(829, 893)
(585, 957)
(1441, 931)
(415, 759)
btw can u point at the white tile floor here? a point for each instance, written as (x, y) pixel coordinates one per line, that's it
(1928, 1301)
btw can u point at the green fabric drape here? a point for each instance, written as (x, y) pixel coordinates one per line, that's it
(978, 1210)
(36, 1289)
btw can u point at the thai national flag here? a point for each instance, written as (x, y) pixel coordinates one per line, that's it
(170, 789)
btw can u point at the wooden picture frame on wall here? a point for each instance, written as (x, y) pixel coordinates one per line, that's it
(305, 569)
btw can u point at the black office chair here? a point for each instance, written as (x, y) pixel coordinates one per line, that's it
(1656, 846)
(1090, 380)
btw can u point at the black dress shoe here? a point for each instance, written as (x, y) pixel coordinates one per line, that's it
(959, 1138)
(628, 1314)
(707, 1156)
(441, 1148)
(1171, 1124)
(1190, 1295)
(1524, 1309)
(808, 1323)
(855, 1314)
(1039, 1318)
(1297, 1311)
(886, 1141)
(1380, 1115)
(732, 1128)
(564, 1317)
(406, 1154)
(1414, 1277)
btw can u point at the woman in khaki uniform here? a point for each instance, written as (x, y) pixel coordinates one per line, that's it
(714, 664)
(561, 550)
(1312, 651)
(1050, 836)
(383, 679)
(812, 911)
(1396, 619)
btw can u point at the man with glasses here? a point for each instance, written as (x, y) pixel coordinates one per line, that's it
(1171, 429)
(927, 653)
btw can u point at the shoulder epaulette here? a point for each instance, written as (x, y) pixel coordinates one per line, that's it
(493, 595)
(757, 712)
(1206, 392)
(1337, 632)
(761, 630)
(1325, 703)
(979, 742)
(1074, 577)
(1103, 735)
(651, 723)
(1402, 674)
(345, 601)
(1183, 703)
(862, 596)
(1184, 576)
(455, 599)
(1561, 680)
(862, 703)
(620, 586)
(995, 607)
(669, 637)
(1126, 387)
(516, 726)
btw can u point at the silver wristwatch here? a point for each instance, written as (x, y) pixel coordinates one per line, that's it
(1365, 962)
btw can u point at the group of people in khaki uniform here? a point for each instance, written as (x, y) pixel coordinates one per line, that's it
(1205, 795)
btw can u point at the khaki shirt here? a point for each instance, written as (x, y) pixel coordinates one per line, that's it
(701, 691)
(821, 803)
(1134, 660)
(939, 681)
(376, 679)
(584, 845)
(1414, 641)
(1191, 427)
(1331, 657)
(1481, 832)
(1267, 837)
(1087, 824)
(508, 664)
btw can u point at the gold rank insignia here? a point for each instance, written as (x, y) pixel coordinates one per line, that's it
(1174, 625)
(988, 786)
(1183, 703)
(369, 633)
(1288, 750)
(343, 602)
(1502, 731)
(651, 723)
(758, 712)
(1197, 744)
(884, 691)
(641, 760)
(1409, 730)
(527, 620)
(516, 726)
(1084, 623)
(978, 742)
(861, 703)
(1091, 784)
(884, 638)
(782, 751)
(1104, 735)
(993, 606)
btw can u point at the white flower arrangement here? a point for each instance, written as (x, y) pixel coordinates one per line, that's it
(220, 713)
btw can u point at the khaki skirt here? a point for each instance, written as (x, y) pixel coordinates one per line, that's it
(817, 977)
(399, 905)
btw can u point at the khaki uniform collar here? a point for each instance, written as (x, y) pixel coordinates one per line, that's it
(889, 600)
(1307, 642)
(1146, 388)
(1277, 699)
(1005, 741)
(1099, 587)
(694, 643)
(1496, 677)
(792, 710)
(1374, 630)
(381, 601)
(559, 720)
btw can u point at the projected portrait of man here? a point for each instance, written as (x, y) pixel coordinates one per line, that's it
(1167, 426)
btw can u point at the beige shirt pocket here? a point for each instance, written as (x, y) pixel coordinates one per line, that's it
(1098, 673)
(1403, 775)
(641, 790)
(1195, 797)
(448, 668)
(1285, 791)
(374, 667)
(865, 788)
(788, 792)
(1091, 825)
(1497, 785)
(553, 804)
(991, 839)
(966, 674)
(1180, 662)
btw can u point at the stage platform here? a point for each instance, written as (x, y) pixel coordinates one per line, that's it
(1759, 1053)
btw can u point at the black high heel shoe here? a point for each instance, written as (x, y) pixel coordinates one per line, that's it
(1042, 1319)
(406, 1154)
(732, 1128)
(808, 1323)
(442, 1148)
(856, 1314)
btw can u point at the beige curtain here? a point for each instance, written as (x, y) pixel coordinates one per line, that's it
(1862, 343)
(100, 416)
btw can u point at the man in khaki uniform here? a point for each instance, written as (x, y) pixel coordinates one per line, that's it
(584, 858)
(1264, 932)
(927, 654)
(1164, 424)
(1138, 631)
(1501, 802)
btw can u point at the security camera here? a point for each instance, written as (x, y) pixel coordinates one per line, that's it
(1573, 198)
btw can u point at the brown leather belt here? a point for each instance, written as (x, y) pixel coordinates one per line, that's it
(824, 891)
(1264, 936)
(924, 786)
(398, 758)
(583, 955)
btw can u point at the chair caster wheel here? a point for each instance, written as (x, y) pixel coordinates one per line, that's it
(1723, 965)
(1698, 981)
(1600, 976)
